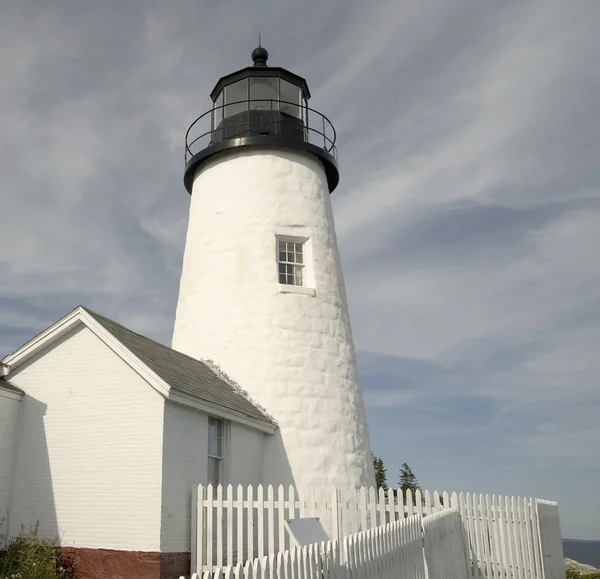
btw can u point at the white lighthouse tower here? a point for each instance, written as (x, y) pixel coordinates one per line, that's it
(262, 293)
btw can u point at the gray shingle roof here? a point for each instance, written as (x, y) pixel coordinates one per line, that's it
(183, 373)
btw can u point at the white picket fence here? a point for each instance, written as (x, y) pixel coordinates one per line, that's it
(553, 559)
(444, 546)
(392, 551)
(501, 534)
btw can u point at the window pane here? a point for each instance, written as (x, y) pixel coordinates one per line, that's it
(214, 471)
(237, 91)
(282, 278)
(290, 93)
(218, 110)
(212, 446)
(263, 88)
(215, 436)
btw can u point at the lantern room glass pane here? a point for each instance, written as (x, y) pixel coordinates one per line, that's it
(218, 110)
(263, 87)
(290, 94)
(236, 91)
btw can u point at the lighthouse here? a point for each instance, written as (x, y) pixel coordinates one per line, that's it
(262, 292)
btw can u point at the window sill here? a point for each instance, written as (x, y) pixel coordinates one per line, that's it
(297, 289)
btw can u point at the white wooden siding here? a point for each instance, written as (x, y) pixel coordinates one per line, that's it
(9, 413)
(89, 447)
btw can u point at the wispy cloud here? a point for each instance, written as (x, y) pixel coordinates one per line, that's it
(467, 211)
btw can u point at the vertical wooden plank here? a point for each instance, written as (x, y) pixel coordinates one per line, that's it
(229, 510)
(511, 536)
(219, 503)
(391, 506)
(209, 527)
(537, 540)
(292, 502)
(260, 521)
(256, 567)
(524, 505)
(372, 508)
(351, 507)
(335, 514)
(281, 542)
(478, 535)
(407, 499)
(484, 522)
(437, 504)
(522, 538)
(428, 510)
(505, 536)
(454, 502)
(280, 563)
(517, 538)
(493, 531)
(418, 502)
(535, 543)
(313, 561)
(384, 518)
(446, 500)
(250, 532)
(240, 524)
(271, 520)
(468, 520)
(504, 564)
(363, 508)
(238, 571)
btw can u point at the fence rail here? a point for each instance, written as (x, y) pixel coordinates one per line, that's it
(501, 534)
(403, 549)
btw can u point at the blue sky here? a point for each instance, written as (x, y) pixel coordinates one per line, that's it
(467, 212)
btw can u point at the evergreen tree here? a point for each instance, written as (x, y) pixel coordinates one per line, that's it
(380, 476)
(408, 481)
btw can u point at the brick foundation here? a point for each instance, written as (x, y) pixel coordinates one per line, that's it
(113, 564)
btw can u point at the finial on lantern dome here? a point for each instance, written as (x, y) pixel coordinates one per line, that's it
(260, 55)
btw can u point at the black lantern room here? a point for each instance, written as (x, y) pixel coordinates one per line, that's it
(263, 106)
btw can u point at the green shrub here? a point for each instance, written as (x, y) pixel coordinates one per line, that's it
(571, 574)
(28, 556)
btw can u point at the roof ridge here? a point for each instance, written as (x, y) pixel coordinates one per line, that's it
(97, 315)
(215, 372)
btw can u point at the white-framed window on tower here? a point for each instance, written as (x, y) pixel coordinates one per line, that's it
(291, 260)
(216, 450)
(294, 264)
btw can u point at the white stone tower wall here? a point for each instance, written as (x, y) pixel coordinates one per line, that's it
(292, 352)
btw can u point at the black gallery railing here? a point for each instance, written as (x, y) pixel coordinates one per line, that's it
(285, 120)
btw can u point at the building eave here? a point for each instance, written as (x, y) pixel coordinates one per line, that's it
(221, 412)
(70, 322)
(79, 316)
(12, 393)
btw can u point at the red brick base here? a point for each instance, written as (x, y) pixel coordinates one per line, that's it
(112, 564)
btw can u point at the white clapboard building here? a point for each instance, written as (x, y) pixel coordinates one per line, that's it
(103, 432)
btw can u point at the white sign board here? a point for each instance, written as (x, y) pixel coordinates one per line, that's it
(305, 531)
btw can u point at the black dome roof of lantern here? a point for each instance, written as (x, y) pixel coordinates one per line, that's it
(261, 68)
